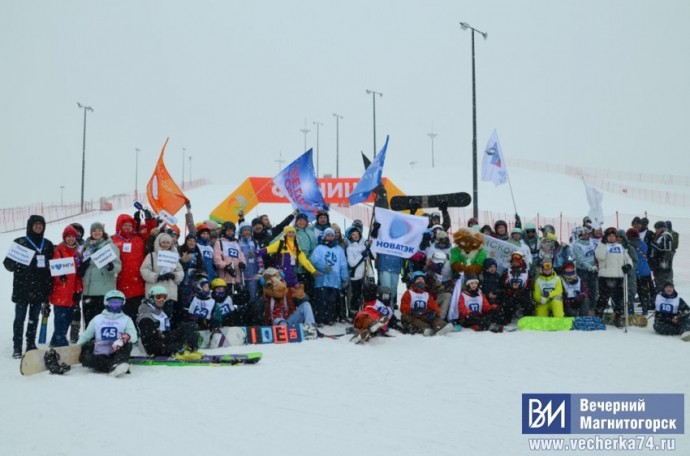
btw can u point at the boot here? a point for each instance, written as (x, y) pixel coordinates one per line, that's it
(493, 327)
(444, 330)
(52, 360)
(119, 369)
(17, 353)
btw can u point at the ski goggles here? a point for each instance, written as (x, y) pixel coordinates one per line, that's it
(160, 297)
(115, 304)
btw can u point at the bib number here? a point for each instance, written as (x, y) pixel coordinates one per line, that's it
(108, 333)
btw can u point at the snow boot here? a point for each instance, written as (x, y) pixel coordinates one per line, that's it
(428, 332)
(53, 364)
(17, 353)
(187, 355)
(119, 369)
(494, 328)
(685, 336)
(445, 330)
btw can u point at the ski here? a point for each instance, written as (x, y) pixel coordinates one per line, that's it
(405, 202)
(205, 360)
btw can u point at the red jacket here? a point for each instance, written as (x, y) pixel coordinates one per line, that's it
(465, 312)
(65, 288)
(405, 304)
(132, 253)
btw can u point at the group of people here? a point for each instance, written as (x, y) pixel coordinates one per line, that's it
(143, 281)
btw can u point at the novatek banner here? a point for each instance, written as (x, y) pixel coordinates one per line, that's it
(399, 234)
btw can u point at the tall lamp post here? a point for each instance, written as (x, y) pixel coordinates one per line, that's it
(304, 131)
(318, 124)
(432, 135)
(83, 152)
(475, 203)
(337, 143)
(280, 161)
(136, 174)
(373, 99)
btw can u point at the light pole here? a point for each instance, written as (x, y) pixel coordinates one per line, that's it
(337, 143)
(183, 160)
(475, 202)
(83, 152)
(305, 130)
(318, 124)
(373, 99)
(412, 163)
(136, 174)
(432, 135)
(62, 194)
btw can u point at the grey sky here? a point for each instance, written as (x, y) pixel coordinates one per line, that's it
(582, 82)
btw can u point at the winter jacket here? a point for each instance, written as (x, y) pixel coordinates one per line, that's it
(466, 302)
(643, 269)
(151, 272)
(227, 253)
(97, 282)
(132, 253)
(550, 285)
(668, 307)
(206, 249)
(32, 284)
(192, 262)
(611, 258)
(254, 262)
(65, 286)
(583, 251)
(306, 239)
(332, 264)
(287, 255)
(491, 282)
(154, 329)
(406, 306)
(661, 252)
(356, 253)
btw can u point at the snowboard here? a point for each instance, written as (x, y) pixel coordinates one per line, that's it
(232, 336)
(637, 320)
(33, 363)
(404, 202)
(206, 360)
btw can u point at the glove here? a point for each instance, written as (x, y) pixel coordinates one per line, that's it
(137, 218)
(119, 343)
(166, 276)
(45, 310)
(316, 274)
(147, 214)
(110, 266)
(240, 213)
(76, 297)
(443, 207)
(295, 212)
(188, 205)
(230, 270)
(375, 230)
(414, 207)
(426, 241)
(593, 269)
(63, 278)
(187, 257)
(242, 266)
(367, 243)
(545, 294)
(544, 300)
(430, 316)
(626, 268)
(518, 221)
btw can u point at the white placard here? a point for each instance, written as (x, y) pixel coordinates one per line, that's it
(62, 266)
(20, 254)
(169, 219)
(103, 256)
(168, 259)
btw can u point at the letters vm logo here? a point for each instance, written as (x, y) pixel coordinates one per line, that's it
(546, 413)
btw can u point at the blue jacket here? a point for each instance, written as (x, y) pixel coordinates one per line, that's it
(643, 269)
(254, 262)
(326, 258)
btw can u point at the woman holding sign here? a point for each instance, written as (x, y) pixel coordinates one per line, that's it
(28, 260)
(162, 267)
(67, 285)
(99, 270)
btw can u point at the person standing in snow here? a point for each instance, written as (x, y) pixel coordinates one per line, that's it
(614, 263)
(643, 274)
(330, 261)
(661, 255)
(585, 263)
(163, 274)
(132, 252)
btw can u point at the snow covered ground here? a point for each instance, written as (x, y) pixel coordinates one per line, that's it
(408, 395)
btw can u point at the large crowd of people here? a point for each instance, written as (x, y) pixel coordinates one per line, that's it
(155, 286)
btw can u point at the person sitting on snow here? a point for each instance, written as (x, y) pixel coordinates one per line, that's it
(548, 292)
(420, 311)
(154, 327)
(575, 294)
(107, 340)
(517, 301)
(473, 309)
(672, 315)
(285, 306)
(373, 319)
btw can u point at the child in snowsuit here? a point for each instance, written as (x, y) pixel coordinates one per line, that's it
(107, 340)
(474, 310)
(420, 311)
(672, 314)
(517, 301)
(575, 293)
(373, 319)
(548, 292)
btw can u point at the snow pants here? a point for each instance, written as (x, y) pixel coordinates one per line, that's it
(420, 323)
(103, 363)
(20, 311)
(325, 302)
(62, 319)
(610, 288)
(667, 328)
(553, 306)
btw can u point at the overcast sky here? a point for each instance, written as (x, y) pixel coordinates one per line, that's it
(602, 83)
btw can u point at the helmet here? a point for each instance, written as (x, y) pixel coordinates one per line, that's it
(416, 274)
(500, 223)
(229, 226)
(218, 289)
(437, 227)
(441, 235)
(548, 229)
(158, 290)
(546, 264)
(530, 227)
(218, 282)
(516, 255)
(199, 287)
(516, 230)
(439, 257)
(569, 272)
(114, 301)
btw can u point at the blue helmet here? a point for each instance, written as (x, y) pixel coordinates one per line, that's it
(416, 274)
(114, 301)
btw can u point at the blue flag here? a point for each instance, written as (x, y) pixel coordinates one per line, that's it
(298, 183)
(371, 178)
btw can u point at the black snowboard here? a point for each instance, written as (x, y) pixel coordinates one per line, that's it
(404, 202)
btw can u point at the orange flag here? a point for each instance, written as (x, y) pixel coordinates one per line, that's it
(162, 191)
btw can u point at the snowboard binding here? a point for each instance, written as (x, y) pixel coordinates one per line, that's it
(52, 360)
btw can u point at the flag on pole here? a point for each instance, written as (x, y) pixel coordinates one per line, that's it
(162, 191)
(298, 183)
(493, 165)
(370, 179)
(596, 211)
(399, 234)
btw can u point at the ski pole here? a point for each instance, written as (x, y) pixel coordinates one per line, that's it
(625, 299)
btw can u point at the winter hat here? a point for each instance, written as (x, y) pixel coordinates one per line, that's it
(257, 221)
(79, 228)
(201, 228)
(469, 278)
(97, 226)
(632, 233)
(621, 234)
(211, 225)
(488, 263)
(358, 223)
(289, 229)
(472, 221)
(245, 226)
(328, 231)
(516, 230)
(353, 229)
(323, 212)
(336, 227)
(441, 235)
(644, 221)
(500, 223)
(163, 237)
(636, 220)
(301, 216)
(189, 236)
(669, 224)
(229, 226)
(69, 231)
(486, 228)
(660, 224)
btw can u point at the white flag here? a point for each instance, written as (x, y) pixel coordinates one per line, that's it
(493, 166)
(399, 234)
(596, 212)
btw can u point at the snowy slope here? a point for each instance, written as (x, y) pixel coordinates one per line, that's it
(408, 395)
